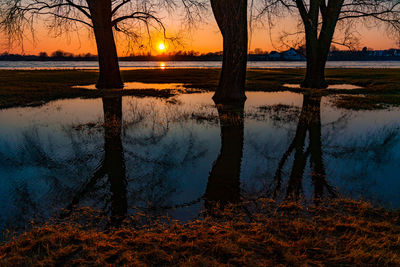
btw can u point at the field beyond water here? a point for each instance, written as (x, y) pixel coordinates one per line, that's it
(36, 87)
(339, 233)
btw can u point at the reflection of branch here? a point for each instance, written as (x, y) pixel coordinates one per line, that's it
(98, 174)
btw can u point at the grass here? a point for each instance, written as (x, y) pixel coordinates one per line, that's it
(36, 87)
(336, 233)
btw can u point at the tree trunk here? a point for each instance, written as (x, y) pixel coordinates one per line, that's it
(109, 76)
(315, 71)
(317, 47)
(316, 60)
(231, 17)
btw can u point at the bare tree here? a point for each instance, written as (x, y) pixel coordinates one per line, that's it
(103, 17)
(320, 18)
(231, 17)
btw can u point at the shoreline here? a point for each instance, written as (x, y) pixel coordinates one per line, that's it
(22, 88)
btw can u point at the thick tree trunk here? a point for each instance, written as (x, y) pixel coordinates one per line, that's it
(224, 181)
(318, 45)
(316, 60)
(109, 76)
(231, 17)
(315, 71)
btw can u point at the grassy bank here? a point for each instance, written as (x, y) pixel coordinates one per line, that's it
(341, 232)
(35, 87)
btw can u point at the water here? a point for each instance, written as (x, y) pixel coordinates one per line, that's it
(189, 64)
(343, 86)
(177, 155)
(140, 85)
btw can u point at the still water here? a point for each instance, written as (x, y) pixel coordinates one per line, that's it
(189, 64)
(176, 155)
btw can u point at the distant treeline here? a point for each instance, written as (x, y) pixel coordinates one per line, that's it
(256, 55)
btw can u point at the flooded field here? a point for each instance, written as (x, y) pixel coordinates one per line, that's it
(175, 155)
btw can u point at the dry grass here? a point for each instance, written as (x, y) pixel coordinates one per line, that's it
(36, 87)
(341, 232)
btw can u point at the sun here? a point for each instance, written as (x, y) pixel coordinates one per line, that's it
(161, 47)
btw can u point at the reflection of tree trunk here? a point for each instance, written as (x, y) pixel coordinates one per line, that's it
(231, 17)
(110, 76)
(294, 188)
(224, 180)
(114, 156)
(309, 121)
(113, 164)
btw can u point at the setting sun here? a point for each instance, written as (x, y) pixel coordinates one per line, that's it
(161, 47)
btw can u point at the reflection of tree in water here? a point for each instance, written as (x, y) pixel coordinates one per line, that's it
(146, 185)
(364, 154)
(224, 180)
(113, 163)
(309, 122)
(149, 151)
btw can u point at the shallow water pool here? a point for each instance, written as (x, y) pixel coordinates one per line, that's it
(177, 155)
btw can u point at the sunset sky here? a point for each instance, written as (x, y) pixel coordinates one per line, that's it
(204, 38)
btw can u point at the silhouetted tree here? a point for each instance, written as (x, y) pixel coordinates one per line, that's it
(102, 16)
(320, 18)
(231, 17)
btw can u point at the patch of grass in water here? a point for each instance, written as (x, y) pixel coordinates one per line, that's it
(366, 102)
(37, 87)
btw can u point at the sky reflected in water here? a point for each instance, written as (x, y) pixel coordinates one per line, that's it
(178, 154)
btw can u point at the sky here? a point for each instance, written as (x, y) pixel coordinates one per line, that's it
(204, 37)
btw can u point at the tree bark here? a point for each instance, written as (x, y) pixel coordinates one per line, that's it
(109, 76)
(231, 17)
(318, 45)
(315, 71)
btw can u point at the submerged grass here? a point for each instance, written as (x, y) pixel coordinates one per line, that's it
(36, 87)
(337, 233)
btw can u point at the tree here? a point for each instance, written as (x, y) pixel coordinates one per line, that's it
(320, 18)
(231, 17)
(103, 17)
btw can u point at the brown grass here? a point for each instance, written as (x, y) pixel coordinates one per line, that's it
(341, 232)
(36, 87)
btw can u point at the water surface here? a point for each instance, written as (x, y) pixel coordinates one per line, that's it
(177, 155)
(189, 64)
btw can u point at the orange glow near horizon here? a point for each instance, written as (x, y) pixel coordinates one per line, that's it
(205, 38)
(163, 65)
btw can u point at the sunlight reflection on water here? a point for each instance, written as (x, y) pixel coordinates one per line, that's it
(332, 86)
(140, 85)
